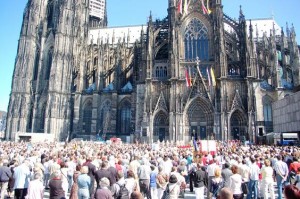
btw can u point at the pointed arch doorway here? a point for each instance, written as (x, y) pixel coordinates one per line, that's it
(199, 119)
(238, 126)
(161, 126)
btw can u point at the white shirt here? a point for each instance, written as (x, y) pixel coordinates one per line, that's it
(211, 169)
(281, 168)
(235, 183)
(254, 171)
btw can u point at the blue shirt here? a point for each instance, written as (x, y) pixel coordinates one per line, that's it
(84, 181)
(153, 179)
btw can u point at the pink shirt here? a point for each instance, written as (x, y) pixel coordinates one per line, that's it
(35, 190)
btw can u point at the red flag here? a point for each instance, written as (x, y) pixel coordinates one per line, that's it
(179, 7)
(204, 9)
(187, 78)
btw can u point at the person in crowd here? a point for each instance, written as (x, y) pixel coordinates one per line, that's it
(5, 175)
(11, 182)
(267, 179)
(74, 187)
(36, 187)
(153, 184)
(131, 183)
(297, 179)
(136, 195)
(226, 173)
(135, 164)
(291, 192)
(91, 172)
(282, 172)
(235, 183)
(103, 191)
(64, 176)
(200, 181)
(22, 177)
(211, 170)
(225, 193)
(254, 171)
(71, 165)
(144, 172)
(84, 183)
(46, 163)
(174, 187)
(56, 190)
(115, 188)
(103, 172)
(162, 181)
(217, 183)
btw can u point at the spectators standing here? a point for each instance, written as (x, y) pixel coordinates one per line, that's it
(200, 181)
(174, 187)
(84, 183)
(153, 184)
(217, 183)
(267, 179)
(91, 173)
(144, 172)
(103, 191)
(282, 172)
(253, 179)
(74, 187)
(226, 173)
(55, 186)
(22, 177)
(162, 181)
(36, 187)
(235, 183)
(5, 175)
(211, 168)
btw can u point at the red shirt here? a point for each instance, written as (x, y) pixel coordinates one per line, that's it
(294, 166)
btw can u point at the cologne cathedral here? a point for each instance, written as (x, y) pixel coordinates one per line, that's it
(197, 72)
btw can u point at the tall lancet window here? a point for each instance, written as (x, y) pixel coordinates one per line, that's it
(49, 63)
(196, 42)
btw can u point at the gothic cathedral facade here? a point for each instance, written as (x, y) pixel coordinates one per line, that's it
(193, 73)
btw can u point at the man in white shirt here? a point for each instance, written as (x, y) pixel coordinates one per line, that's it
(22, 178)
(282, 172)
(254, 171)
(211, 173)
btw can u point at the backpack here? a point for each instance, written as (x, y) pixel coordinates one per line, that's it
(123, 192)
(166, 194)
(216, 187)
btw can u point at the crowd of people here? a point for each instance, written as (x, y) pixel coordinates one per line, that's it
(86, 170)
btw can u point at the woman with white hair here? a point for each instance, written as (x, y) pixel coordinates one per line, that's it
(84, 183)
(35, 187)
(103, 192)
(55, 184)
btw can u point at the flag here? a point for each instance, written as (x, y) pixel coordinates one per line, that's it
(185, 7)
(207, 6)
(208, 76)
(187, 78)
(179, 7)
(213, 78)
(204, 9)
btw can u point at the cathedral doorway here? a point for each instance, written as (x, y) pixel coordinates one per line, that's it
(161, 126)
(238, 125)
(200, 119)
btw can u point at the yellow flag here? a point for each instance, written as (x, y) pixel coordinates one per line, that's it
(185, 7)
(207, 6)
(213, 78)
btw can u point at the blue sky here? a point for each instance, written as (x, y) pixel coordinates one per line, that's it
(128, 12)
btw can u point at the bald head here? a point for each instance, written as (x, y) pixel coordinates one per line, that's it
(226, 193)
